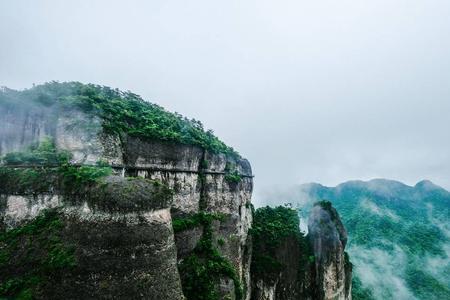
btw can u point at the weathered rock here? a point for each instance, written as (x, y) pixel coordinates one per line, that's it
(280, 261)
(123, 245)
(328, 238)
(119, 257)
(196, 176)
(187, 240)
(287, 284)
(290, 266)
(264, 290)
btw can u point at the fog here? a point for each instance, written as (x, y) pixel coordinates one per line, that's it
(308, 91)
(380, 268)
(379, 211)
(383, 266)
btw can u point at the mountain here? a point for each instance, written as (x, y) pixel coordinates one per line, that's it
(106, 196)
(399, 235)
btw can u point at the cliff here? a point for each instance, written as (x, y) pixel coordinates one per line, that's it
(117, 230)
(288, 265)
(328, 238)
(106, 196)
(281, 256)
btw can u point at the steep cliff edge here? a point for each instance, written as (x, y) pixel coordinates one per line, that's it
(106, 196)
(328, 238)
(117, 238)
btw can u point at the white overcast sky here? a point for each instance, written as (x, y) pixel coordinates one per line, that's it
(323, 91)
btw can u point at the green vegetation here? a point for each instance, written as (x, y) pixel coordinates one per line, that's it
(196, 220)
(325, 204)
(271, 226)
(121, 112)
(76, 177)
(328, 206)
(233, 177)
(48, 168)
(31, 254)
(393, 229)
(27, 181)
(274, 224)
(69, 180)
(42, 153)
(201, 270)
(426, 285)
(359, 291)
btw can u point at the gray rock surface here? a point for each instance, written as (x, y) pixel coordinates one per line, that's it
(197, 177)
(328, 238)
(125, 245)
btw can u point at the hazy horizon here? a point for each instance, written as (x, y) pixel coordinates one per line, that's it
(307, 91)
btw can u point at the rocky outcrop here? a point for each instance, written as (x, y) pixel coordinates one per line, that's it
(171, 221)
(286, 284)
(197, 177)
(328, 238)
(281, 256)
(288, 265)
(115, 241)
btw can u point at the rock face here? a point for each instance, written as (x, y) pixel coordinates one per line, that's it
(299, 267)
(112, 238)
(145, 238)
(287, 284)
(131, 235)
(328, 238)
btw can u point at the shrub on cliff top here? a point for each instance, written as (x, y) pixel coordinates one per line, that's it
(273, 224)
(328, 206)
(270, 227)
(121, 112)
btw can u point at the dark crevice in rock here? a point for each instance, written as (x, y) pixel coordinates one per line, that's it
(202, 182)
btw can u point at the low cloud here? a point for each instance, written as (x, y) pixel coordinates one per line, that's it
(379, 211)
(382, 271)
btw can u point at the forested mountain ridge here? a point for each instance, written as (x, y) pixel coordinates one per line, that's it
(399, 235)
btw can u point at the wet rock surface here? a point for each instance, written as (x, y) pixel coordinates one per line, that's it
(120, 231)
(328, 238)
(112, 227)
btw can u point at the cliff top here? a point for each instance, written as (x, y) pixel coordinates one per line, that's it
(120, 112)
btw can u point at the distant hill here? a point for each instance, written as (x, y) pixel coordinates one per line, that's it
(399, 234)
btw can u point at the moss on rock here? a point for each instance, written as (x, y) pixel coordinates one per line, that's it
(31, 254)
(202, 270)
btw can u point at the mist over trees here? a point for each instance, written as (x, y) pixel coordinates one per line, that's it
(399, 235)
